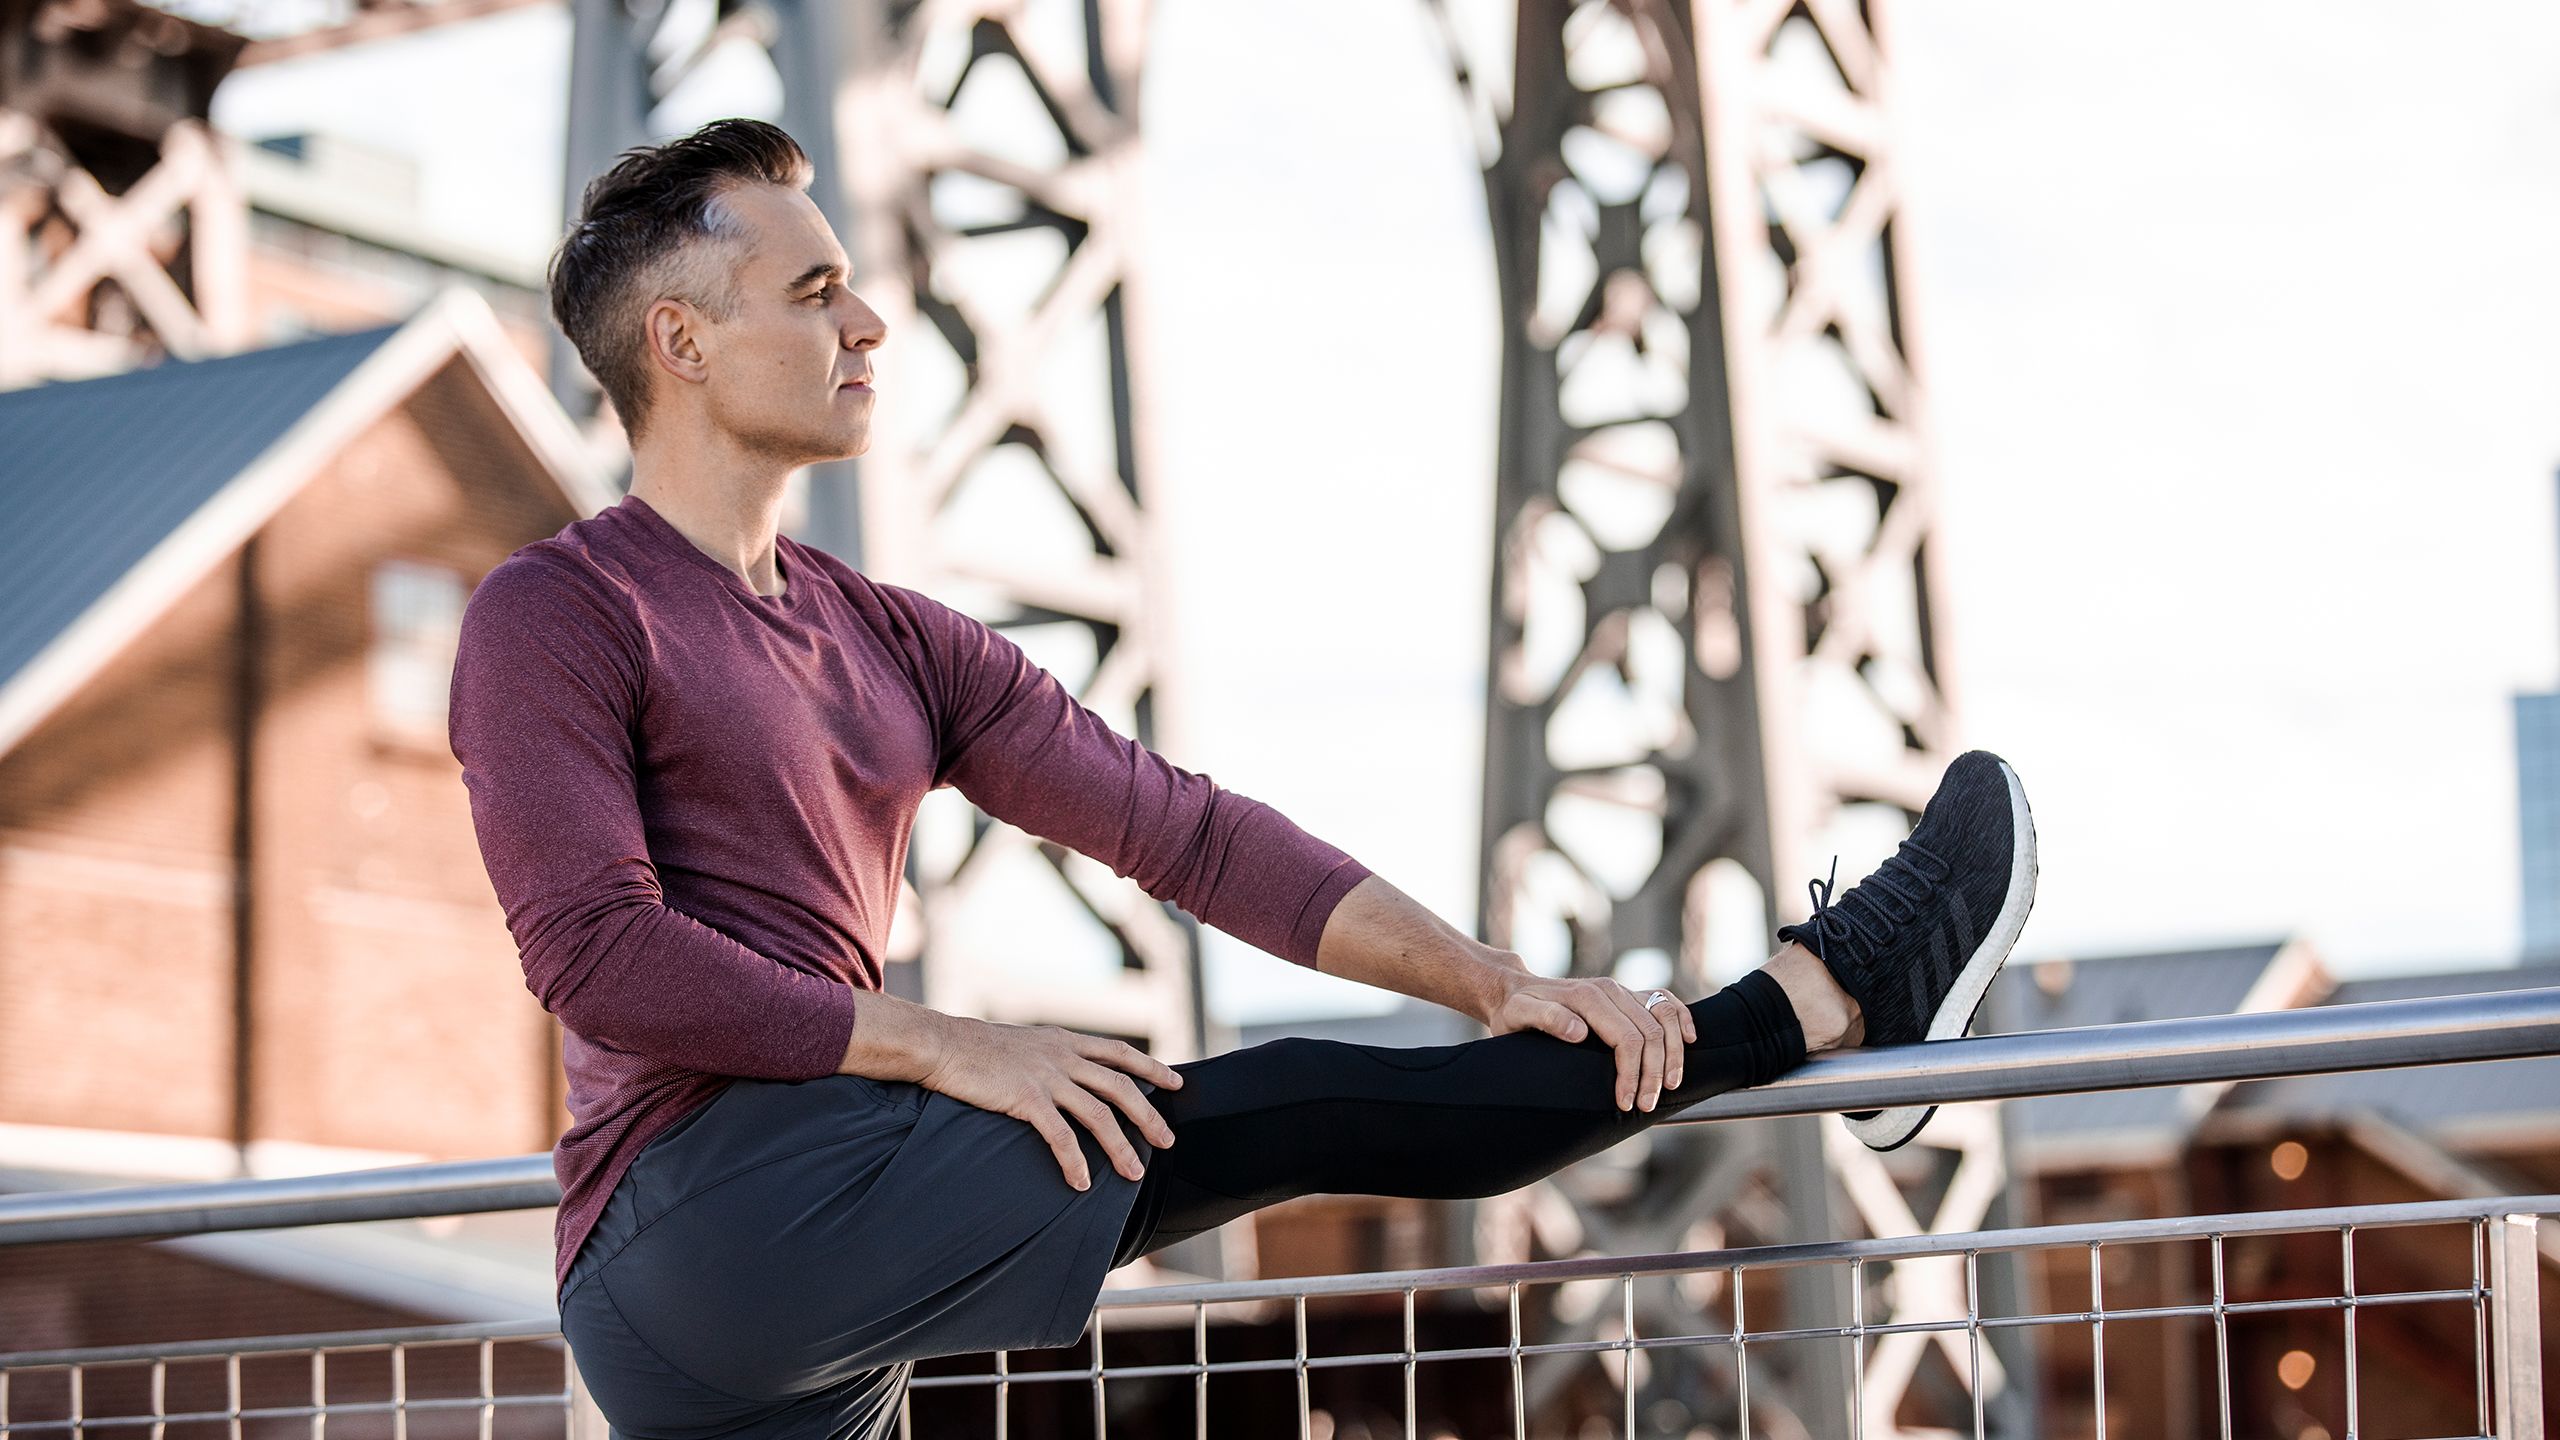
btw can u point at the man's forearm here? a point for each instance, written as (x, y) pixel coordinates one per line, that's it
(1378, 935)
(893, 1039)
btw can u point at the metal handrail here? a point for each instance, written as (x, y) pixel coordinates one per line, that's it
(2516, 1024)
(2324, 1040)
(391, 1192)
(419, 1337)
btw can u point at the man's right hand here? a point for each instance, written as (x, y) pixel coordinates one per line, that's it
(1039, 1074)
(1043, 1074)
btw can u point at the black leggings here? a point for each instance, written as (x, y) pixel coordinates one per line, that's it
(1298, 1116)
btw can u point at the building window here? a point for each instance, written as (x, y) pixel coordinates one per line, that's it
(416, 620)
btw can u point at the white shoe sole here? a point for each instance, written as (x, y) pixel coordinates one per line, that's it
(1890, 1129)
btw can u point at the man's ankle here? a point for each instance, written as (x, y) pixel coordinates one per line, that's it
(1830, 1018)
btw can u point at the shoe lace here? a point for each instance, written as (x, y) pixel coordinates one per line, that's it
(1891, 896)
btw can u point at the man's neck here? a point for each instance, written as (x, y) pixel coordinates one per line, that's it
(730, 508)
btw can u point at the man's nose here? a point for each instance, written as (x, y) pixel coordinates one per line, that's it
(867, 328)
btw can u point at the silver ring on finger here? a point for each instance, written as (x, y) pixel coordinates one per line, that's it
(1654, 997)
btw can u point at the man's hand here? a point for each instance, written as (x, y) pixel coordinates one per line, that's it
(1380, 936)
(1649, 1062)
(1043, 1074)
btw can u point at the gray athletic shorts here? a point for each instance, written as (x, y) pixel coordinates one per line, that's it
(775, 1262)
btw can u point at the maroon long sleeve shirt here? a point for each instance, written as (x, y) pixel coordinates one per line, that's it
(694, 802)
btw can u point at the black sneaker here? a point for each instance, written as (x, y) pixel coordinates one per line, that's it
(1917, 942)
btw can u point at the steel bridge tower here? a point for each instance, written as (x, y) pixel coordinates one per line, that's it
(1714, 654)
(123, 235)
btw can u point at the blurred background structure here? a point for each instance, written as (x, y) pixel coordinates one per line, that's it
(264, 426)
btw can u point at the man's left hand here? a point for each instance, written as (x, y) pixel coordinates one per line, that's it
(1649, 1059)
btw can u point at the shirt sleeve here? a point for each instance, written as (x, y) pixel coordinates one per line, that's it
(1020, 746)
(547, 680)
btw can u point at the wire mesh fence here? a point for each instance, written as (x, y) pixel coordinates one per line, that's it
(2288, 1352)
(442, 1382)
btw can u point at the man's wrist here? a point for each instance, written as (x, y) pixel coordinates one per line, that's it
(1497, 973)
(894, 1039)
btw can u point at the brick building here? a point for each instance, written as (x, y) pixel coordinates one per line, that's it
(2368, 1137)
(244, 927)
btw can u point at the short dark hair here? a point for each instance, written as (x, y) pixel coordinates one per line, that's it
(653, 226)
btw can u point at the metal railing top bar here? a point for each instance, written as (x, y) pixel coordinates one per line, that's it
(2379, 1035)
(334, 1341)
(393, 1192)
(2444, 1030)
(1841, 1252)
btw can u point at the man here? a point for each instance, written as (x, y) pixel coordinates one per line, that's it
(694, 748)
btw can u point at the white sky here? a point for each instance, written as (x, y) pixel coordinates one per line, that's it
(2247, 403)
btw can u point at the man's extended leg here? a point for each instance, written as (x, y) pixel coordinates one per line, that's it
(1300, 1116)
(1905, 955)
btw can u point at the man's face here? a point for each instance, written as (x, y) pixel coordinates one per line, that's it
(779, 368)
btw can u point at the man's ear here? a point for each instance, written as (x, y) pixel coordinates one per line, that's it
(674, 333)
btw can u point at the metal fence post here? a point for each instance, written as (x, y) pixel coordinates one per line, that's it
(2515, 1321)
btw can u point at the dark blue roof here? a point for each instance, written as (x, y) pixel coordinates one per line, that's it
(2058, 994)
(2116, 990)
(96, 473)
(2426, 1098)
